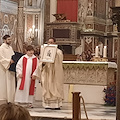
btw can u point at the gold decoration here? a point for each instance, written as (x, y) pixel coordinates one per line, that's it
(85, 66)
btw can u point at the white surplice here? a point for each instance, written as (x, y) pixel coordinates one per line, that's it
(7, 78)
(23, 96)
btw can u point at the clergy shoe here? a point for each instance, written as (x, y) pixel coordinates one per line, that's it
(55, 109)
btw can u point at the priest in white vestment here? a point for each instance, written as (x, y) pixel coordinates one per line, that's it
(52, 80)
(7, 78)
(25, 78)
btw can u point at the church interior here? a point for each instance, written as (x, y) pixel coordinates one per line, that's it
(82, 28)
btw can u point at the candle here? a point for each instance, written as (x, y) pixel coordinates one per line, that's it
(96, 51)
(30, 32)
(33, 27)
(117, 3)
(105, 52)
(36, 30)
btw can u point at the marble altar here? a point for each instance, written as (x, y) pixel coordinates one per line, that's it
(89, 73)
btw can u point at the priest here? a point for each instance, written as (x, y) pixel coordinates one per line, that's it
(7, 78)
(52, 80)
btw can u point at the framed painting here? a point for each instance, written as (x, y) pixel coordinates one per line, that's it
(48, 53)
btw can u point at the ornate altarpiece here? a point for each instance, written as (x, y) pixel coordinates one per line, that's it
(94, 24)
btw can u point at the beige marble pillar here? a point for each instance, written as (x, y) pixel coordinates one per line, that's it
(53, 9)
(118, 81)
(34, 3)
(25, 29)
(117, 3)
(20, 27)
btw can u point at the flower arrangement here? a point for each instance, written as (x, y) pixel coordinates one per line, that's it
(110, 94)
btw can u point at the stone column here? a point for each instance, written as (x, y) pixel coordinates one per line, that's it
(117, 3)
(116, 21)
(38, 3)
(41, 23)
(118, 81)
(53, 9)
(25, 29)
(34, 3)
(20, 27)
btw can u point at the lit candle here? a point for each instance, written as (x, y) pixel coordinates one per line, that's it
(105, 52)
(117, 3)
(36, 30)
(96, 51)
(30, 32)
(33, 28)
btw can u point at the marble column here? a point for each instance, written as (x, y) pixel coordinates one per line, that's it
(117, 3)
(34, 3)
(41, 22)
(53, 9)
(26, 3)
(38, 3)
(25, 30)
(20, 27)
(116, 20)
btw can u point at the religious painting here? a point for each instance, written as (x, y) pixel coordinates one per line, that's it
(48, 53)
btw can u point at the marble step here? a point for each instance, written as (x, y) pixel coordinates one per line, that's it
(36, 118)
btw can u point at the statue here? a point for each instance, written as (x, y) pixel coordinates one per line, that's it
(59, 16)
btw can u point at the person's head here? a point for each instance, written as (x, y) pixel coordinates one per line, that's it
(51, 40)
(10, 111)
(7, 39)
(30, 50)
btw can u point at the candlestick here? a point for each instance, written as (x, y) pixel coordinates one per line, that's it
(96, 51)
(105, 52)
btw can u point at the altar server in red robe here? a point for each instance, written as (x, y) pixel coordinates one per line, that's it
(25, 79)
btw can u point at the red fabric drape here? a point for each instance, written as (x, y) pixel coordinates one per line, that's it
(69, 8)
(23, 73)
(32, 85)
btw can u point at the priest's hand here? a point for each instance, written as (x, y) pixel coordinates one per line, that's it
(20, 75)
(33, 77)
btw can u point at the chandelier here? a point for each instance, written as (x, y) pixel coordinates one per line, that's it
(32, 34)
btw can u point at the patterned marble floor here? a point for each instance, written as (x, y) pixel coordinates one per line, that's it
(94, 112)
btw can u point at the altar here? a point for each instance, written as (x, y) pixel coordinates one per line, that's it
(89, 78)
(89, 73)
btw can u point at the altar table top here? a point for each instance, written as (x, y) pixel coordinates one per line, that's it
(110, 64)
